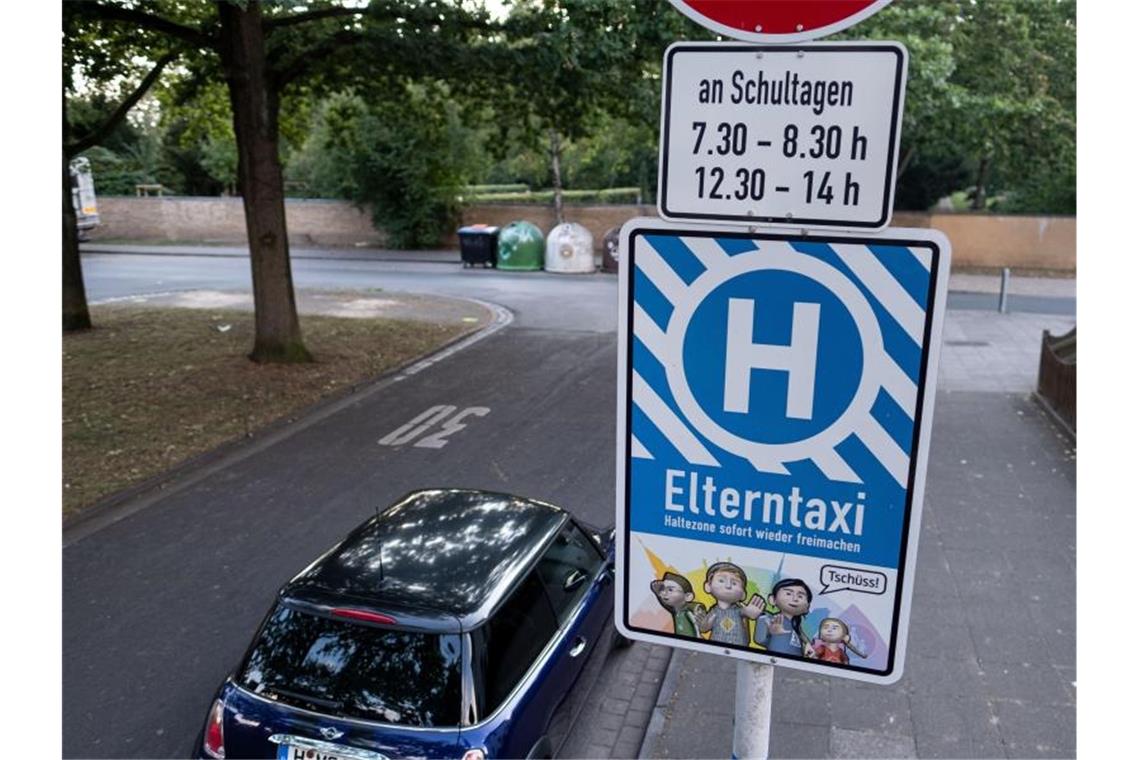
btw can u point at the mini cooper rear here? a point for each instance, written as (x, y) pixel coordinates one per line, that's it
(453, 625)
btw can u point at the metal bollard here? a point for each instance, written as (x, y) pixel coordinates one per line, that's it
(753, 720)
(1003, 297)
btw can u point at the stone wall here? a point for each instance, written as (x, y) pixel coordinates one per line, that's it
(1020, 242)
(222, 220)
(979, 240)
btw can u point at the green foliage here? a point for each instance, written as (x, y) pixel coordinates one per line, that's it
(929, 177)
(990, 103)
(616, 153)
(563, 66)
(406, 159)
(133, 153)
(199, 130)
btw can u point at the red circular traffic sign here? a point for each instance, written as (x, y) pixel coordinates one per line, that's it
(778, 20)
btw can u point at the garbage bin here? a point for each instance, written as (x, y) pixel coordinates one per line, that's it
(610, 250)
(477, 244)
(521, 247)
(570, 249)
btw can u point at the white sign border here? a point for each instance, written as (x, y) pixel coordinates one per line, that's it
(761, 36)
(906, 569)
(899, 107)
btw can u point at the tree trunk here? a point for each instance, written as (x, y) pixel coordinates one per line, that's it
(905, 163)
(979, 203)
(254, 101)
(556, 170)
(75, 314)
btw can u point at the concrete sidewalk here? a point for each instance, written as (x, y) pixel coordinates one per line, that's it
(990, 670)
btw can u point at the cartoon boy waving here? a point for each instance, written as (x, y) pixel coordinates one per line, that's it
(782, 631)
(727, 620)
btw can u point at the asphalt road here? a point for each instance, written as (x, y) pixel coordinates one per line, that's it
(159, 606)
(539, 299)
(546, 300)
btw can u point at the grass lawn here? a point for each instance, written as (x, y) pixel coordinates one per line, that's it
(150, 387)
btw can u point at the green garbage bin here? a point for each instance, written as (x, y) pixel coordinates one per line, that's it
(522, 247)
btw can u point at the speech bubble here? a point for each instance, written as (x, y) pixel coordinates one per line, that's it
(839, 578)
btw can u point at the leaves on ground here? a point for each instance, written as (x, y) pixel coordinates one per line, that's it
(149, 388)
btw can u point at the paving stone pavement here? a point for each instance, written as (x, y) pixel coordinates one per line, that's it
(618, 709)
(987, 351)
(990, 670)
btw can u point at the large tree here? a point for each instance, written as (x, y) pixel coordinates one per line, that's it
(1017, 68)
(262, 51)
(990, 102)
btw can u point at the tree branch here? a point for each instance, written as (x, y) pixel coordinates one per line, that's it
(301, 60)
(146, 20)
(100, 134)
(302, 18)
(283, 75)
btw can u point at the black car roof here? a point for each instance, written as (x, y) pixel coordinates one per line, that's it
(438, 554)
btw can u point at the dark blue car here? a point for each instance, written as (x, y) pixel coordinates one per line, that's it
(453, 625)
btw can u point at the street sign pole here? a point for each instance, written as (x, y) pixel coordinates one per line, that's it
(752, 722)
(775, 388)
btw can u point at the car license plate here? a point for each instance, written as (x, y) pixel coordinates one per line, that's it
(293, 752)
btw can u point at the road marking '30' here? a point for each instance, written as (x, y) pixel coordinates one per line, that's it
(444, 416)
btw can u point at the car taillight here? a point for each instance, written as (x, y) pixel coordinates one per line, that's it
(474, 754)
(365, 615)
(214, 741)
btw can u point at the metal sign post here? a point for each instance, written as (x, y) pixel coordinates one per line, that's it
(753, 723)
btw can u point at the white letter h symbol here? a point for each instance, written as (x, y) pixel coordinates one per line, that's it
(798, 359)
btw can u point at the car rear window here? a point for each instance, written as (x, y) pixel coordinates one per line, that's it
(355, 670)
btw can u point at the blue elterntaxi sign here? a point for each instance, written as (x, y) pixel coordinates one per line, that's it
(775, 394)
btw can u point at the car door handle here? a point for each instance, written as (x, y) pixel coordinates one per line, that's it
(573, 580)
(579, 647)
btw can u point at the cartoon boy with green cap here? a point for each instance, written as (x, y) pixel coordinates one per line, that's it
(675, 594)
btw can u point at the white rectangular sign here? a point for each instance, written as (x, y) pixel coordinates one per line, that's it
(775, 393)
(781, 135)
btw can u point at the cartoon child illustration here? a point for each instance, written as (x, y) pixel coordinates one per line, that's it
(782, 631)
(675, 594)
(833, 641)
(727, 620)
